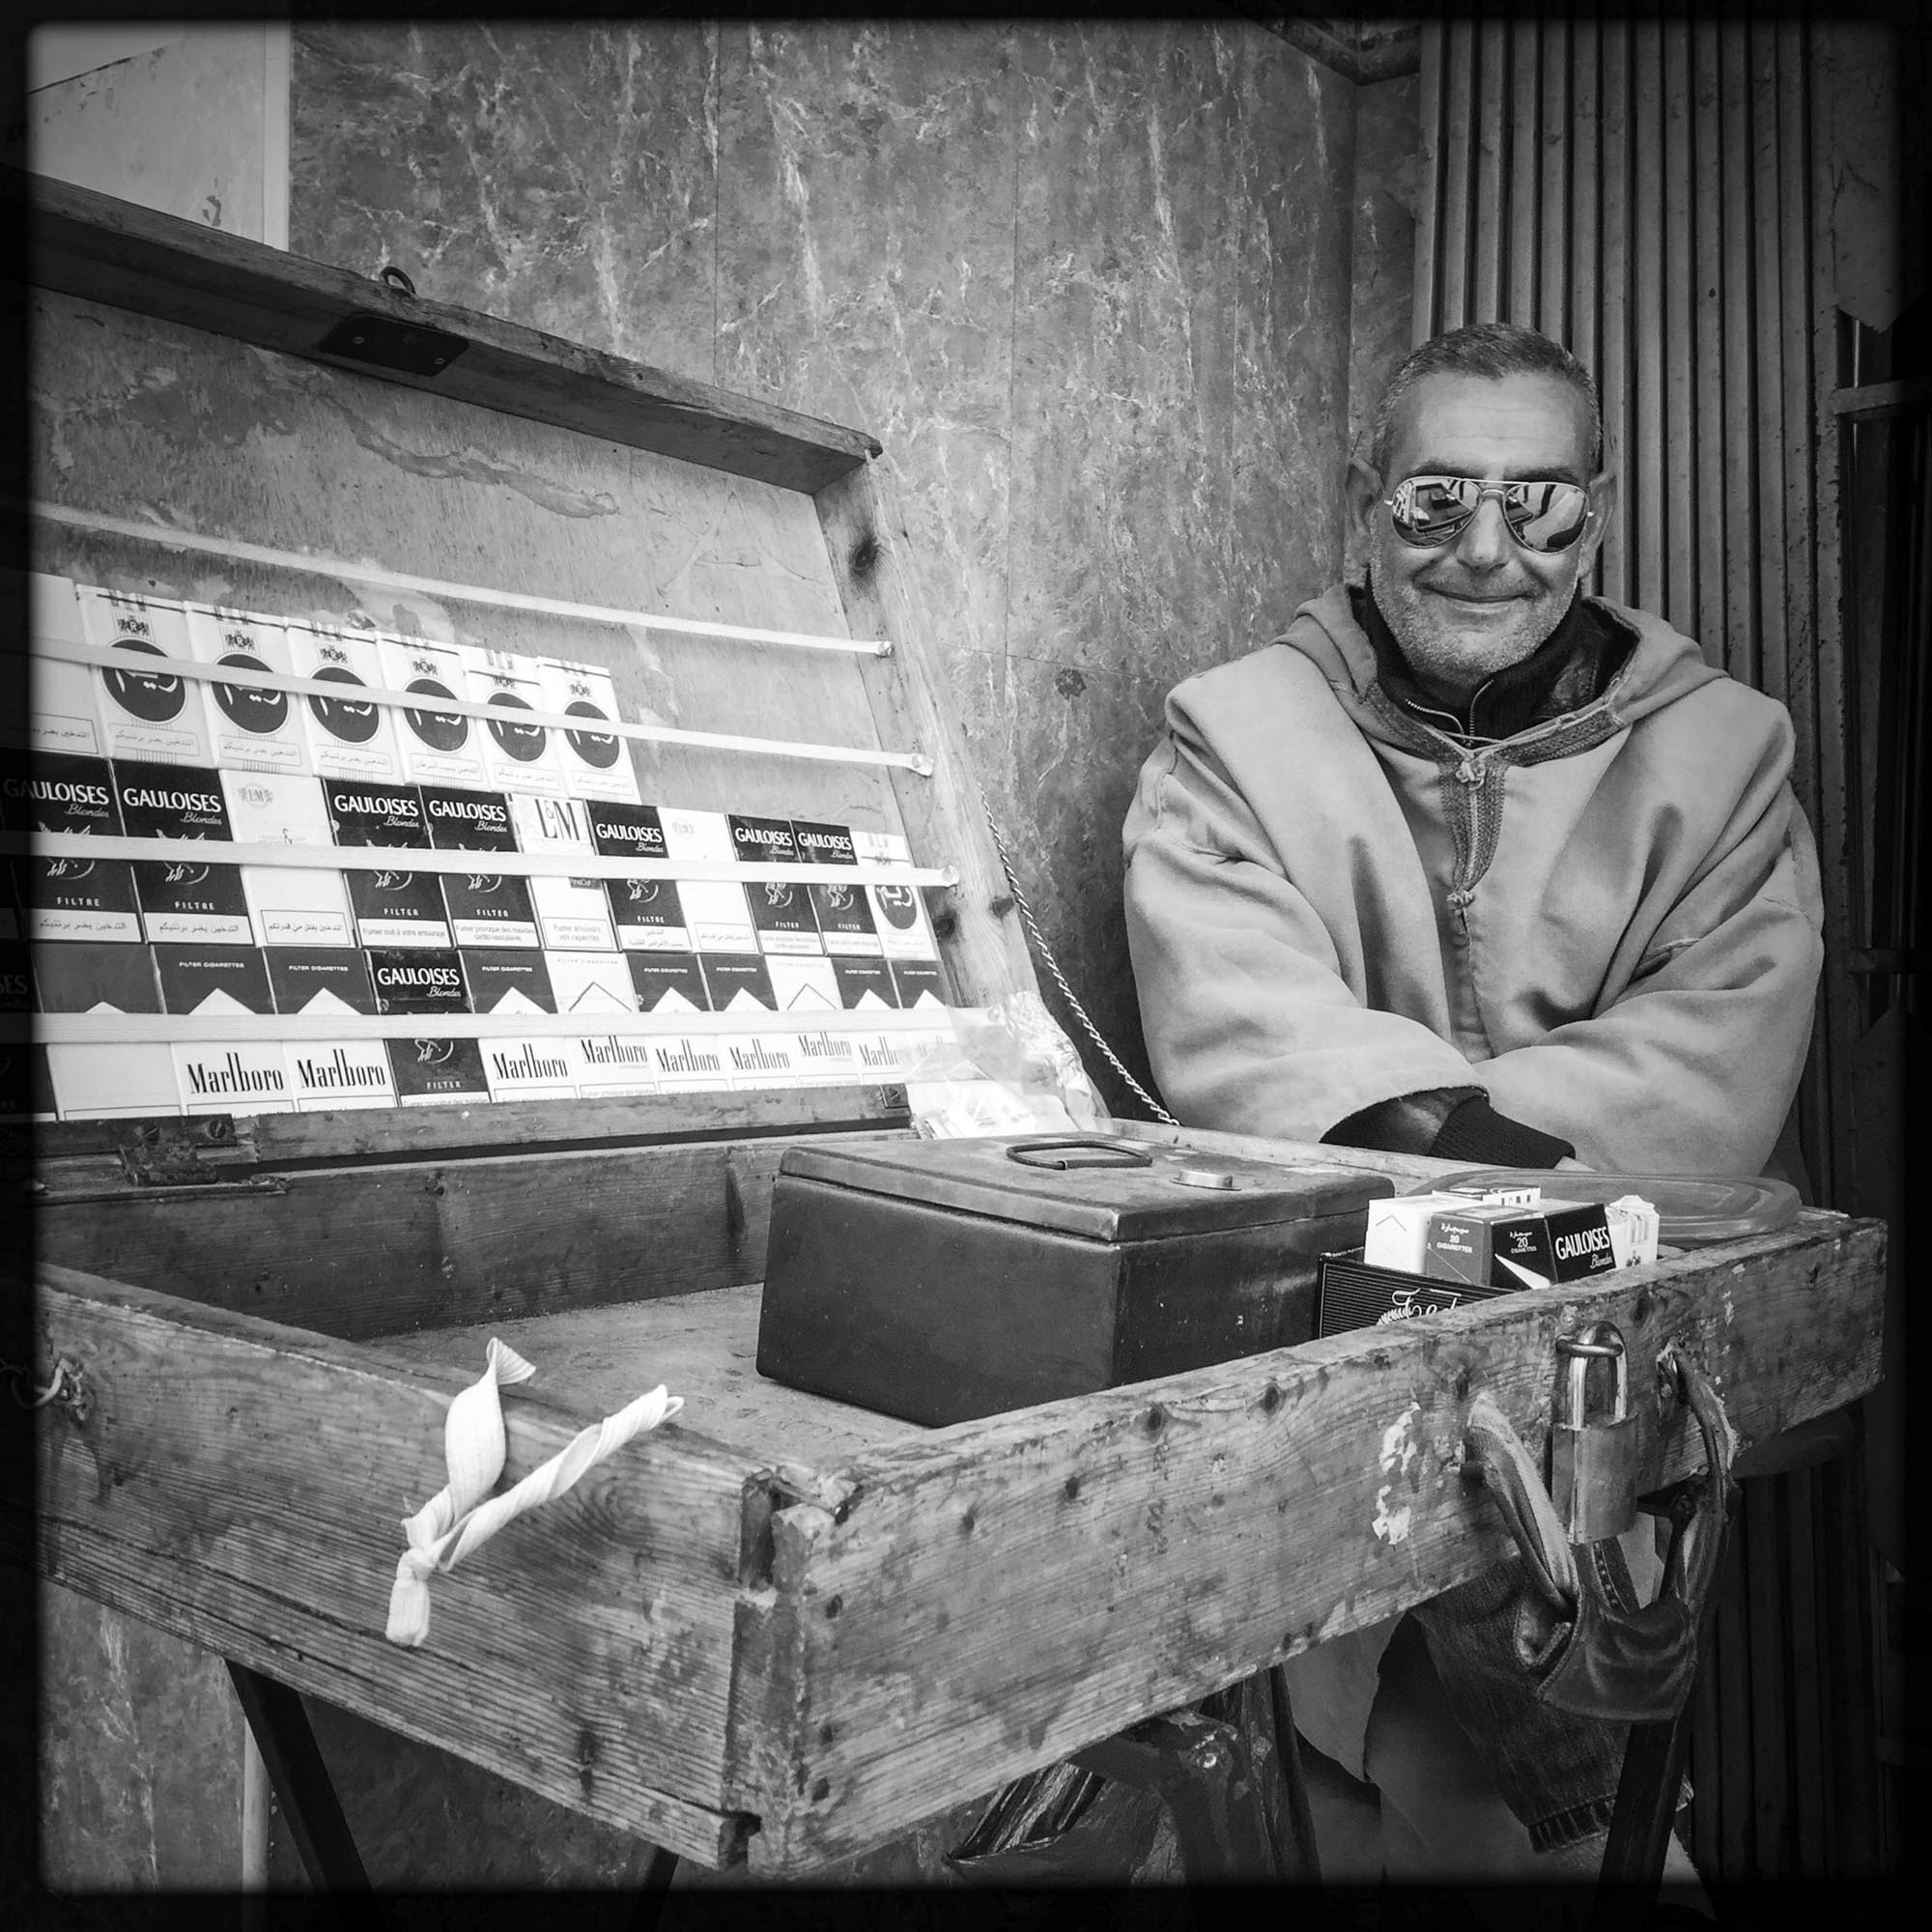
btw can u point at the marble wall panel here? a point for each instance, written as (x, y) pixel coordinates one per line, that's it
(561, 175)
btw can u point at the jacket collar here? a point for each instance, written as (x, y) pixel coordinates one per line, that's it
(1573, 666)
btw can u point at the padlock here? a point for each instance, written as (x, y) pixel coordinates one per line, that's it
(1593, 1466)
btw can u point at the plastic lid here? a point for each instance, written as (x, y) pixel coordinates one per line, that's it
(1693, 1211)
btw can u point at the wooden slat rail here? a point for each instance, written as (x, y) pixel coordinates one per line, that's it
(793, 1668)
(104, 249)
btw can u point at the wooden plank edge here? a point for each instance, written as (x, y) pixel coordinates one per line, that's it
(84, 243)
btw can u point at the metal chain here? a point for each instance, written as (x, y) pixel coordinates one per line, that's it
(65, 1387)
(1052, 965)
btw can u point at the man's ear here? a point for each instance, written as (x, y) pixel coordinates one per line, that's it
(1603, 507)
(1362, 491)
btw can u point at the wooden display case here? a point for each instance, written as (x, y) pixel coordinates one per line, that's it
(778, 1630)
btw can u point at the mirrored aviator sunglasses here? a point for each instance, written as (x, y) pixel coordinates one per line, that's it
(1433, 510)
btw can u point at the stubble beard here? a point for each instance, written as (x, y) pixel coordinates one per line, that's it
(1453, 659)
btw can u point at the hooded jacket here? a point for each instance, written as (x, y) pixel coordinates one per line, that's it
(1611, 921)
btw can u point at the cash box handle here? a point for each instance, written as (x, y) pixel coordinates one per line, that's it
(1091, 1150)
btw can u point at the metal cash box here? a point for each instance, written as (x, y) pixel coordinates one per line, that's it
(941, 1280)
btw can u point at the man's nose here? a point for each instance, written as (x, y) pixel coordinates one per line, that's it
(1486, 541)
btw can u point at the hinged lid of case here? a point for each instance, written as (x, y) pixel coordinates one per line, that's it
(1098, 1188)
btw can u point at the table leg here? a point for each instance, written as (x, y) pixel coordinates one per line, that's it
(651, 1890)
(301, 1782)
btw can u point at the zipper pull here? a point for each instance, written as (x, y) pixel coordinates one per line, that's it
(1469, 773)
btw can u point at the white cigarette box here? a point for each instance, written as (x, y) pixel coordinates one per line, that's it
(692, 1065)
(595, 764)
(145, 714)
(591, 982)
(346, 738)
(442, 748)
(528, 1069)
(549, 824)
(328, 1074)
(63, 712)
(516, 756)
(113, 1083)
(249, 728)
(233, 1077)
(827, 1058)
(714, 911)
(290, 905)
(803, 985)
(612, 1064)
(1398, 1229)
(761, 1059)
(573, 915)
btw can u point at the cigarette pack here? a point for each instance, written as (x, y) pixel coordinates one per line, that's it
(843, 913)
(438, 748)
(803, 985)
(86, 976)
(490, 909)
(689, 1066)
(16, 980)
(467, 821)
(919, 982)
(507, 982)
(68, 898)
(517, 757)
(26, 1083)
(647, 915)
(573, 915)
(438, 1073)
(213, 980)
(714, 911)
(738, 980)
(327, 1075)
(362, 814)
(607, 1063)
(298, 906)
(1353, 1293)
(319, 980)
(864, 982)
(63, 712)
(591, 982)
(782, 917)
(595, 764)
(346, 738)
(233, 1077)
(528, 1069)
(182, 903)
(551, 824)
(904, 930)
(394, 907)
(760, 1059)
(121, 1082)
(827, 1060)
(145, 714)
(1398, 1229)
(249, 728)
(667, 982)
(411, 982)
(276, 808)
(1499, 1246)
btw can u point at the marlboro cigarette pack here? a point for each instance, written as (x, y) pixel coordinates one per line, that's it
(761, 1060)
(517, 757)
(827, 1060)
(63, 712)
(233, 1077)
(346, 738)
(327, 1075)
(595, 764)
(528, 1069)
(249, 728)
(145, 714)
(438, 748)
(689, 1066)
(607, 1064)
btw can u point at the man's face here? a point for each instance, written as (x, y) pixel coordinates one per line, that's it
(1468, 608)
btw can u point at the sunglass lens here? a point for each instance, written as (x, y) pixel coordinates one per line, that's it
(1550, 516)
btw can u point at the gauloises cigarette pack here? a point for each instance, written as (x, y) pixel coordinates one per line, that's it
(438, 748)
(595, 764)
(438, 1073)
(780, 908)
(70, 898)
(63, 713)
(249, 728)
(144, 714)
(517, 757)
(648, 915)
(843, 913)
(418, 982)
(363, 813)
(467, 821)
(346, 738)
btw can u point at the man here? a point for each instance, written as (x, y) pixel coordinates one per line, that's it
(1473, 864)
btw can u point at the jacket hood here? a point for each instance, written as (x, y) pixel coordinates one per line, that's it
(1661, 668)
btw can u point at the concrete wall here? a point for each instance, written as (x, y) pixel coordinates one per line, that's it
(1091, 284)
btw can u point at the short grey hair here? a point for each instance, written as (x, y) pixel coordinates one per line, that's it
(1494, 349)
